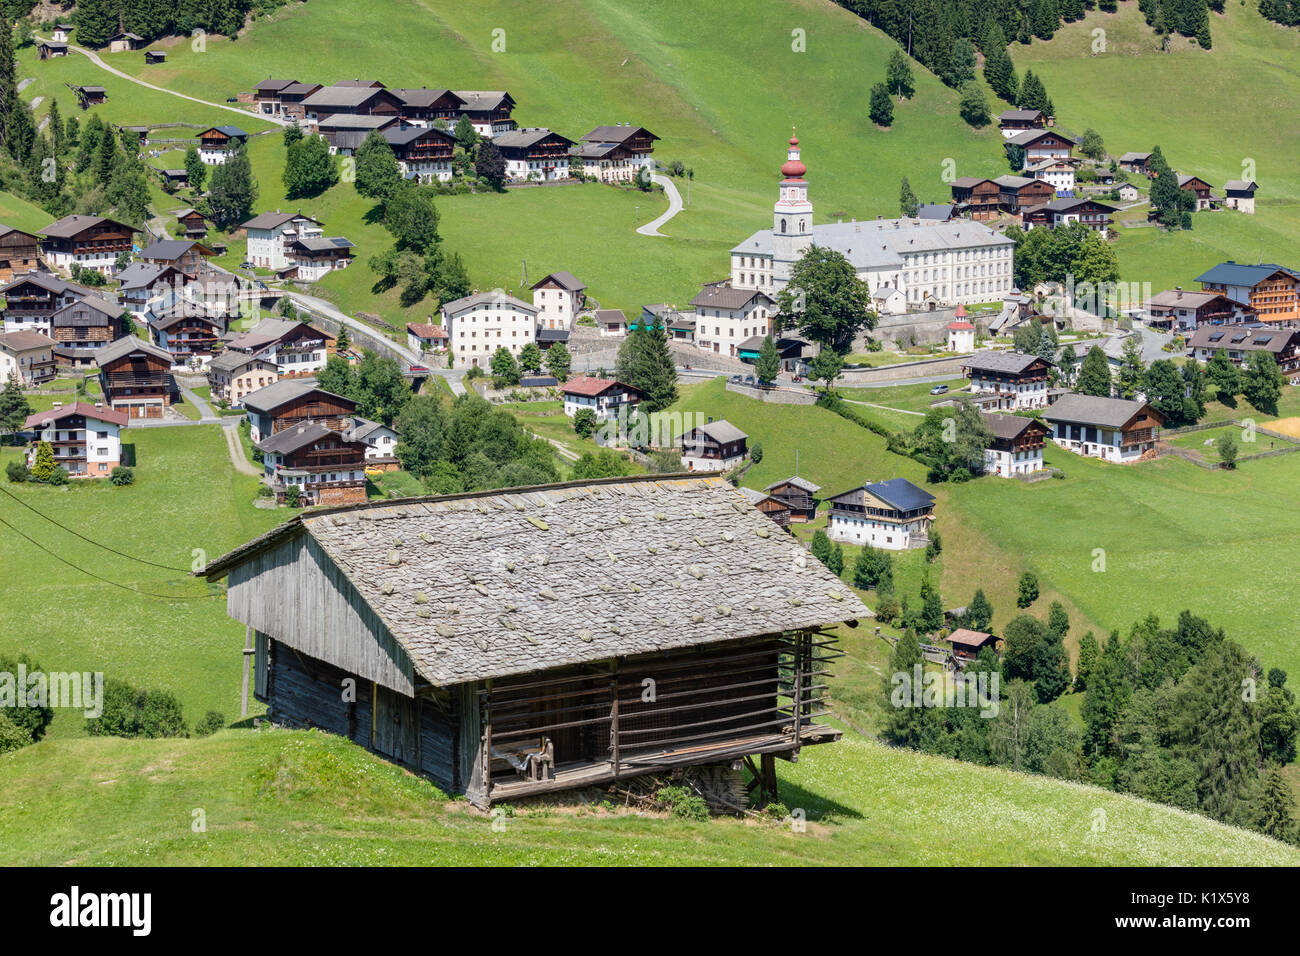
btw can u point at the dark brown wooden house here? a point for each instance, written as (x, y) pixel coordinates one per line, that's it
(422, 107)
(93, 242)
(136, 377)
(19, 252)
(1021, 192)
(714, 446)
(798, 494)
(193, 224)
(977, 198)
(516, 642)
(774, 508)
(326, 467)
(967, 644)
(292, 402)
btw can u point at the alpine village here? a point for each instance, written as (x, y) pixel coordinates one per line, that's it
(760, 434)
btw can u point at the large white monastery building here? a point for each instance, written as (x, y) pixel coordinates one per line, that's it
(941, 263)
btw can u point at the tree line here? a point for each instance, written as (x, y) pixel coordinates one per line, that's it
(98, 20)
(1180, 715)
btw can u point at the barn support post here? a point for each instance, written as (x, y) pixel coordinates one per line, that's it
(248, 652)
(487, 739)
(613, 714)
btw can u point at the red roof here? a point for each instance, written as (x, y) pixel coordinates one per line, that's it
(960, 325)
(961, 311)
(104, 414)
(426, 331)
(590, 387)
(969, 638)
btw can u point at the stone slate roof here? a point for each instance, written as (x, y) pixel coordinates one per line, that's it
(1092, 410)
(1012, 362)
(495, 583)
(798, 482)
(127, 345)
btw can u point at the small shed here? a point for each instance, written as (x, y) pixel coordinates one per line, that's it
(509, 643)
(155, 56)
(967, 644)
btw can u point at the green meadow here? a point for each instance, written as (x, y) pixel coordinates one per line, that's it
(306, 798)
(151, 627)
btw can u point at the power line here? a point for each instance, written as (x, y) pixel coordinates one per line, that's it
(121, 554)
(77, 567)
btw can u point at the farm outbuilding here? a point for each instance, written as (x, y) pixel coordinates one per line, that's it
(540, 639)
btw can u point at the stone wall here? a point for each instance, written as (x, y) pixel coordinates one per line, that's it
(774, 396)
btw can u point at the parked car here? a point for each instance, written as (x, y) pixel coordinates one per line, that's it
(246, 265)
(232, 99)
(749, 380)
(419, 368)
(737, 378)
(938, 389)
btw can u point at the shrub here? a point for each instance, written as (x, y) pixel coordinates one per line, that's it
(756, 452)
(12, 736)
(129, 712)
(17, 471)
(122, 475)
(293, 496)
(212, 721)
(584, 423)
(31, 719)
(1028, 590)
(59, 476)
(683, 803)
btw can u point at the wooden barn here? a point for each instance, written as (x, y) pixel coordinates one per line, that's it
(539, 639)
(799, 495)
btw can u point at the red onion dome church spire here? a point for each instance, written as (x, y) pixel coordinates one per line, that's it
(792, 220)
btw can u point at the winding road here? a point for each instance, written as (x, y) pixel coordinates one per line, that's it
(674, 206)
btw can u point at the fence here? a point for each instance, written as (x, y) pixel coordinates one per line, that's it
(1292, 443)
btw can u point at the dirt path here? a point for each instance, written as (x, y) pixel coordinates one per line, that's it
(95, 59)
(237, 456)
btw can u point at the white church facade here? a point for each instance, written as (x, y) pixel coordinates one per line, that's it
(927, 261)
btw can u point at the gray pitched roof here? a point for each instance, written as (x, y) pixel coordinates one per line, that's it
(126, 345)
(300, 436)
(270, 220)
(565, 280)
(230, 360)
(1013, 362)
(285, 390)
(494, 583)
(488, 298)
(721, 431)
(880, 243)
(1092, 410)
(798, 482)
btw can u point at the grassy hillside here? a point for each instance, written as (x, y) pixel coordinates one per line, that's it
(293, 798)
(1211, 111)
(187, 504)
(723, 107)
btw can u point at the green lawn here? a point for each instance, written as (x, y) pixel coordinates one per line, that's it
(187, 504)
(306, 798)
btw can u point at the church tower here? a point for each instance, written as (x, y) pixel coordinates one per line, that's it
(791, 216)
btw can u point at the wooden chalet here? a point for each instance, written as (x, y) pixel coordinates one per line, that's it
(714, 446)
(1013, 122)
(978, 198)
(93, 242)
(344, 98)
(1022, 192)
(184, 255)
(1199, 188)
(774, 508)
(1179, 310)
(282, 97)
(326, 467)
(423, 107)
(534, 153)
(797, 494)
(1136, 163)
(967, 644)
(186, 330)
(1017, 446)
(1273, 291)
(136, 378)
(193, 224)
(895, 515)
(32, 298)
(485, 661)
(51, 48)
(1238, 343)
(155, 56)
(488, 110)
(423, 153)
(1112, 429)
(292, 402)
(19, 252)
(83, 327)
(1020, 378)
(1068, 210)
